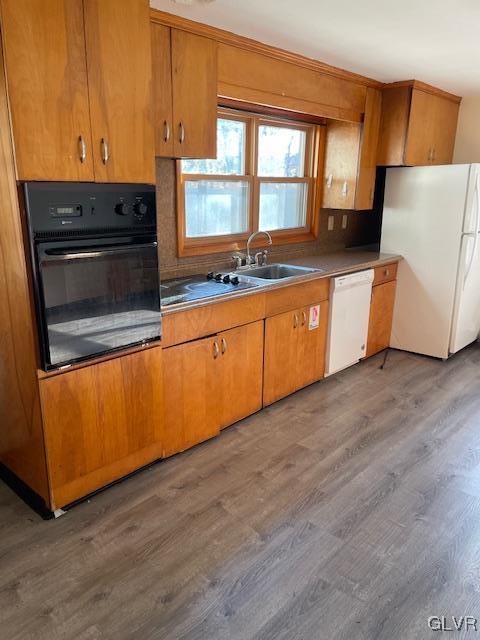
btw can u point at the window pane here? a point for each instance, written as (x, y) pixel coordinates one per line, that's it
(281, 152)
(216, 208)
(282, 205)
(230, 160)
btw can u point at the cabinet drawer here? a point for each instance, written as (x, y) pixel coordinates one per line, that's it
(385, 273)
(212, 318)
(296, 296)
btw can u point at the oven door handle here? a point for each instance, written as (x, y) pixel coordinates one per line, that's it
(50, 255)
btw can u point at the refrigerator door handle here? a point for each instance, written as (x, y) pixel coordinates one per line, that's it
(470, 261)
(477, 230)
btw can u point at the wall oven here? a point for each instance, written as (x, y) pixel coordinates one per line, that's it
(95, 266)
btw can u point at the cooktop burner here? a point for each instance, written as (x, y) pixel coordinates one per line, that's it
(196, 287)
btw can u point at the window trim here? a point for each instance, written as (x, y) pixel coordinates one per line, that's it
(314, 152)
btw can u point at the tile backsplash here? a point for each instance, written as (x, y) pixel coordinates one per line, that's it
(362, 228)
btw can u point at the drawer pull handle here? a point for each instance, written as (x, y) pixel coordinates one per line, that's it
(216, 350)
(224, 345)
(386, 273)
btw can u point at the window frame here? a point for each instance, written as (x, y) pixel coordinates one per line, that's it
(314, 149)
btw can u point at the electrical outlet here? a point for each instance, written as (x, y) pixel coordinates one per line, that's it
(331, 222)
(344, 221)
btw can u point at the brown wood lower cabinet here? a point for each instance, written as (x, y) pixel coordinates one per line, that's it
(211, 383)
(101, 422)
(381, 316)
(311, 347)
(294, 353)
(241, 372)
(191, 388)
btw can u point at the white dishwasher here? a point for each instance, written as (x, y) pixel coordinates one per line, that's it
(350, 297)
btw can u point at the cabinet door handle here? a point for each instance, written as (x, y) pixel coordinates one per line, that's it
(345, 189)
(182, 132)
(295, 320)
(82, 149)
(105, 152)
(166, 131)
(224, 345)
(433, 154)
(216, 350)
(304, 318)
(329, 181)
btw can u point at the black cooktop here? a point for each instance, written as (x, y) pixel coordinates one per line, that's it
(191, 288)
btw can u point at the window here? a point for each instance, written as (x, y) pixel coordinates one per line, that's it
(262, 179)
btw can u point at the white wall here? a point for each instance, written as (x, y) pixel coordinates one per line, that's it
(467, 143)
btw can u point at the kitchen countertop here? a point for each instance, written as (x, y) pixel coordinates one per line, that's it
(332, 264)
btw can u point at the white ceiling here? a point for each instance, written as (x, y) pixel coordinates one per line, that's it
(436, 41)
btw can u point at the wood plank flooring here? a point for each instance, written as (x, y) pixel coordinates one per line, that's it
(350, 510)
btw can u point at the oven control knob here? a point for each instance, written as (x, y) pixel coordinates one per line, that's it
(140, 209)
(218, 277)
(234, 280)
(122, 209)
(226, 279)
(210, 275)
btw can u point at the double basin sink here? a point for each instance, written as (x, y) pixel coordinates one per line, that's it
(189, 289)
(273, 272)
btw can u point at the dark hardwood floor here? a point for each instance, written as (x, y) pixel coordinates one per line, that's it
(348, 510)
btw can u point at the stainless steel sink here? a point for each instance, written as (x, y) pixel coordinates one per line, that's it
(275, 272)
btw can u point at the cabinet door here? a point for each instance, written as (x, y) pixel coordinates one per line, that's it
(101, 422)
(280, 360)
(241, 377)
(194, 77)
(420, 135)
(44, 45)
(341, 165)
(445, 128)
(381, 315)
(120, 83)
(191, 388)
(367, 169)
(311, 345)
(162, 90)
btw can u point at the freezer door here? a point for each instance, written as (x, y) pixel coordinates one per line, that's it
(466, 315)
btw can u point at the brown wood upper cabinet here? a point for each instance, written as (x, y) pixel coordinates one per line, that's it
(185, 99)
(418, 125)
(120, 83)
(350, 159)
(80, 98)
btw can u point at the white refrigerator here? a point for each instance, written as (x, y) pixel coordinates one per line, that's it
(431, 216)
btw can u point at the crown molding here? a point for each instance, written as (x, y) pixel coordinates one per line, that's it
(242, 42)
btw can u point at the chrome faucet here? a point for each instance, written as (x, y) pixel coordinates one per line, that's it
(262, 253)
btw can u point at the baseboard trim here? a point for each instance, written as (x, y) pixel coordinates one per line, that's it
(23, 491)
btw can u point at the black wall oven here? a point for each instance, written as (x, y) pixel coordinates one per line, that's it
(95, 261)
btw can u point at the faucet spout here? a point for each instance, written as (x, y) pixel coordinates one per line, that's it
(249, 241)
